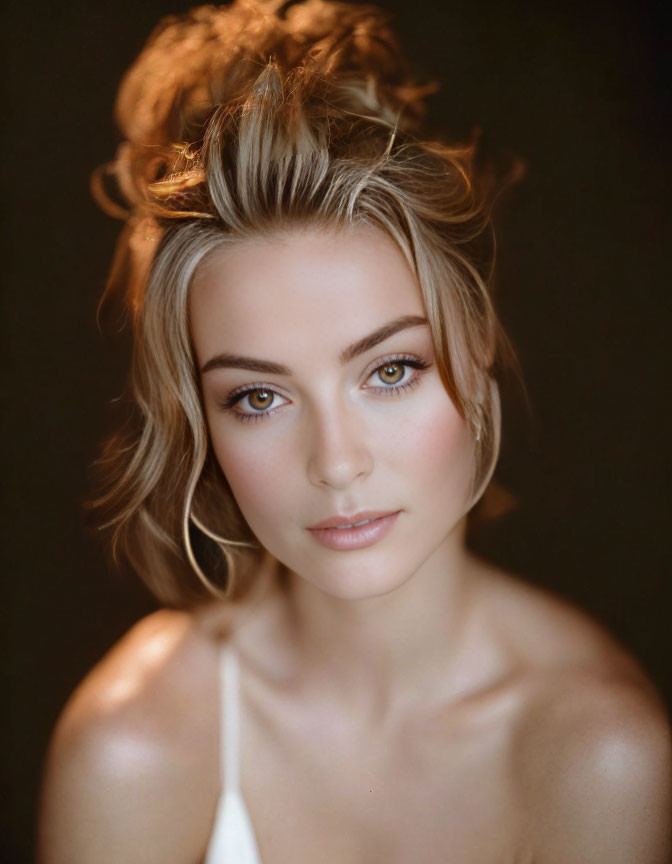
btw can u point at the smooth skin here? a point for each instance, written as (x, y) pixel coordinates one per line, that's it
(404, 702)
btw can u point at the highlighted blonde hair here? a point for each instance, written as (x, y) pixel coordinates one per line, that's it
(245, 121)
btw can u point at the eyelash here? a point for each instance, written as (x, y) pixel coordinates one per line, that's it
(391, 390)
(403, 360)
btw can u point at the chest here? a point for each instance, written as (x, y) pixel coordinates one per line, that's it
(431, 791)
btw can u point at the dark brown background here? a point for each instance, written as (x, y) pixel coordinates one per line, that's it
(575, 89)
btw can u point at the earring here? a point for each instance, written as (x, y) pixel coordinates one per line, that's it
(476, 428)
(477, 423)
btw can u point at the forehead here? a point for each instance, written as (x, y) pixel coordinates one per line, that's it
(308, 286)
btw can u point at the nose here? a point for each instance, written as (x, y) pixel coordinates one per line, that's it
(338, 453)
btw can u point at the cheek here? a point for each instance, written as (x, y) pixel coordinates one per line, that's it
(256, 476)
(436, 448)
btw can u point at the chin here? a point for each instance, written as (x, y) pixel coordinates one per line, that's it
(355, 579)
(376, 571)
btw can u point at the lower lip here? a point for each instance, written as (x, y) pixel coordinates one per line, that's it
(355, 538)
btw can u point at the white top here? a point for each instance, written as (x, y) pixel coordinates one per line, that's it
(232, 840)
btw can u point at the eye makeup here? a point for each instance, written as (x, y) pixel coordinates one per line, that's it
(396, 388)
(387, 365)
(255, 413)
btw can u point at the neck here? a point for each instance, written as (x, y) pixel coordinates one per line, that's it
(381, 652)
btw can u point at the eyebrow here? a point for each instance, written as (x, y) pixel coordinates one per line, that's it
(269, 367)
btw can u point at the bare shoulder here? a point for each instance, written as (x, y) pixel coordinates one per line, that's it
(595, 770)
(592, 744)
(128, 746)
(155, 660)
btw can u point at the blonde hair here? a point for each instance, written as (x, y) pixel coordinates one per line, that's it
(240, 122)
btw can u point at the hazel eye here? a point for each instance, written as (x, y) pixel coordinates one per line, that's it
(260, 400)
(255, 403)
(391, 373)
(396, 375)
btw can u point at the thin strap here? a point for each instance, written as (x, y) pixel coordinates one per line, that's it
(229, 719)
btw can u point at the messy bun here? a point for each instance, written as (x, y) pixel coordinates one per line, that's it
(212, 56)
(245, 121)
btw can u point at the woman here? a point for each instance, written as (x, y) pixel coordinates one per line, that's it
(314, 376)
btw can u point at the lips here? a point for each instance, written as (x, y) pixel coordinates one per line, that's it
(345, 533)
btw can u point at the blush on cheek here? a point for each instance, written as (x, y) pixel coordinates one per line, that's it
(253, 476)
(442, 451)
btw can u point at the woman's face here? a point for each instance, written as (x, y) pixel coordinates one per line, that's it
(326, 410)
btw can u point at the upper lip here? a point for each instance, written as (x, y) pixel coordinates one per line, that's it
(339, 521)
